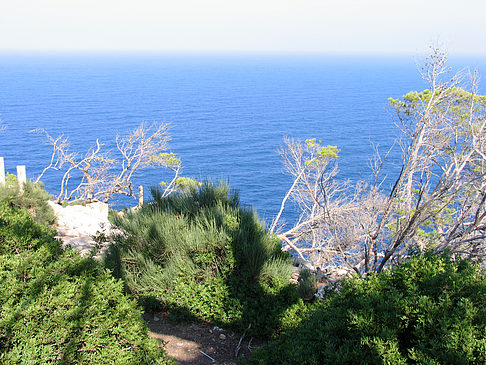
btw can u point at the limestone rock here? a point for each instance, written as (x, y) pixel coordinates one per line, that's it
(77, 224)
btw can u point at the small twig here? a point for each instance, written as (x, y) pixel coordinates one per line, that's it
(249, 343)
(207, 355)
(237, 349)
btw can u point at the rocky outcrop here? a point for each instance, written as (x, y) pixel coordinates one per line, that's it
(78, 224)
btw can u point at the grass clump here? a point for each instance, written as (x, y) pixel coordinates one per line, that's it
(59, 308)
(429, 310)
(200, 255)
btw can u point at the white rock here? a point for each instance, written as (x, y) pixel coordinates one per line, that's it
(77, 224)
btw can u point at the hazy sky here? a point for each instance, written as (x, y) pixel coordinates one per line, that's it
(315, 26)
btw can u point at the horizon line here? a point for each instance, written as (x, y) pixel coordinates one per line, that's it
(151, 52)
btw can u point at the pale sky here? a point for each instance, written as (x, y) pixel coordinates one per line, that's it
(290, 26)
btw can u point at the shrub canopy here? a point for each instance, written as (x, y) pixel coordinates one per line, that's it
(428, 310)
(200, 255)
(34, 199)
(57, 307)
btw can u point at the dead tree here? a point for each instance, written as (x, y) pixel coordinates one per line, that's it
(104, 175)
(144, 147)
(334, 215)
(439, 198)
(437, 202)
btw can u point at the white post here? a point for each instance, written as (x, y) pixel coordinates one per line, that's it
(2, 171)
(21, 177)
(140, 195)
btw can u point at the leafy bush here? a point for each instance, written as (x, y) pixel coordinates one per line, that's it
(34, 199)
(199, 255)
(57, 307)
(19, 232)
(428, 310)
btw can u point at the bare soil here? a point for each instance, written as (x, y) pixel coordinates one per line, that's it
(199, 343)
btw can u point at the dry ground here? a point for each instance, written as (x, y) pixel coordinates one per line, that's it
(198, 343)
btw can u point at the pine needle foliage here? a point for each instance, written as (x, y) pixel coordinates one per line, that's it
(199, 254)
(57, 307)
(428, 310)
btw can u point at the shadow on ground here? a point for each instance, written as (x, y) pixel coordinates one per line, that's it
(198, 343)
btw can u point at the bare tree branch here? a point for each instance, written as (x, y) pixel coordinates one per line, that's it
(102, 175)
(437, 201)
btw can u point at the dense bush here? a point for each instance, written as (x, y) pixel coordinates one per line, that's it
(34, 199)
(200, 255)
(57, 307)
(429, 310)
(20, 233)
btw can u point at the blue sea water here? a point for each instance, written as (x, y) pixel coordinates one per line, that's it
(228, 114)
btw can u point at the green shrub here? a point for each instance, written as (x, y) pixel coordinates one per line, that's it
(200, 255)
(429, 310)
(307, 284)
(34, 199)
(20, 232)
(57, 307)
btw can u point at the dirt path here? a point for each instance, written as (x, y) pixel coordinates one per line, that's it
(198, 343)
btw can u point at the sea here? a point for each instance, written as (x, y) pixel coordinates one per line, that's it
(228, 114)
